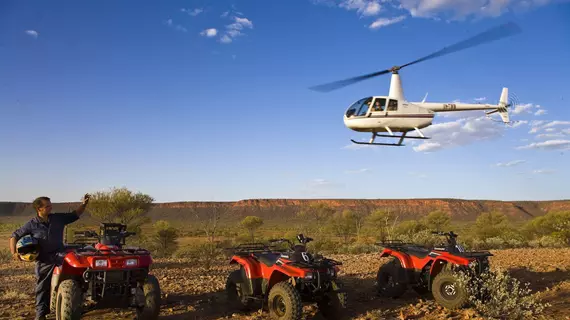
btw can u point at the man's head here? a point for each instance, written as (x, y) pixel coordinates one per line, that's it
(42, 205)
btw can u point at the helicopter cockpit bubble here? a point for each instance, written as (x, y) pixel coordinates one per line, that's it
(359, 108)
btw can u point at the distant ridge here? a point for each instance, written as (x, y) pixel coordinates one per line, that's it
(279, 209)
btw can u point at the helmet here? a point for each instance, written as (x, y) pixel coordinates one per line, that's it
(28, 248)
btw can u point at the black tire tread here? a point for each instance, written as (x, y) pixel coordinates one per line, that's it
(339, 305)
(232, 297)
(458, 303)
(71, 297)
(151, 308)
(295, 308)
(398, 273)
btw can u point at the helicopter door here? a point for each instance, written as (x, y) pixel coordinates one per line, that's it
(379, 105)
(392, 105)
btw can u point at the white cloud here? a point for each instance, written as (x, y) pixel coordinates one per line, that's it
(565, 131)
(540, 112)
(480, 99)
(549, 135)
(548, 145)
(519, 123)
(522, 108)
(459, 132)
(212, 32)
(363, 7)
(357, 171)
(225, 39)
(235, 29)
(32, 33)
(383, 22)
(543, 171)
(320, 187)
(510, 163)
(418, 175)
(556, 123)
(460, 9)
(177, 27)
(193, 12)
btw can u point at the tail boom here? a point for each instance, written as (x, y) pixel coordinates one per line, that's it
(501, 108)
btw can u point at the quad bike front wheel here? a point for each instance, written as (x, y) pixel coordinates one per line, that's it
(235, 291)
(151, 308)
(284, 302)
(447, 291)
(334, 303)
(69, 300)
(391, 279)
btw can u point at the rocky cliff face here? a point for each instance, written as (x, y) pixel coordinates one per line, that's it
(277, 209)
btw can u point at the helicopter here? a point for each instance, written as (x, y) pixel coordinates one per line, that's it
(394, 114)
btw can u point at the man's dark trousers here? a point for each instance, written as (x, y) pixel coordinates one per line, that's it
(43, 287)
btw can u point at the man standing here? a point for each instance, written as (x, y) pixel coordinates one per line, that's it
(48, 229)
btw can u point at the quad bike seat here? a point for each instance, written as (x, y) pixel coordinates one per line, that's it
(268, 259)
(416, 251)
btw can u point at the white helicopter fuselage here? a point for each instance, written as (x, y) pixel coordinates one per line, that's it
(393, 113)
(405, 117)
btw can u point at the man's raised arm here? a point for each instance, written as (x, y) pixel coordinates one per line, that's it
(79, 211)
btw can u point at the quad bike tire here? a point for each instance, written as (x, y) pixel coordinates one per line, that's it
(284, 302)
(151, 309)
(235, 293)
(335, 302)
(391, 279)
(447, 292)
(69, 300)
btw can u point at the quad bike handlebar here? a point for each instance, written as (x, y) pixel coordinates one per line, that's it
(450, 236)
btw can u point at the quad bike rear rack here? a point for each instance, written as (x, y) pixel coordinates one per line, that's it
(111, 252)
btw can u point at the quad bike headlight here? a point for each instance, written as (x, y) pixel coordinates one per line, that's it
(131, 262)
(101, 263)
(331, 272)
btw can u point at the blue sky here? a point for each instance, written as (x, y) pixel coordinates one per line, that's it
(209, 100)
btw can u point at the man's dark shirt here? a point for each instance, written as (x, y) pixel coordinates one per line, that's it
(49, 234)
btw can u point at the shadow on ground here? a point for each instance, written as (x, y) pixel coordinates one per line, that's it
(539, 281)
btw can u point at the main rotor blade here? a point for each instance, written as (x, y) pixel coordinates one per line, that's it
(496, 33)
(343, 83)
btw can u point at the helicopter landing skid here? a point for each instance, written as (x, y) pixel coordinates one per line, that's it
(399, 144)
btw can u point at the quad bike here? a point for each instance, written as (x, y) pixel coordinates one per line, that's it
(102, 273)
(429, 269)
(282, 280)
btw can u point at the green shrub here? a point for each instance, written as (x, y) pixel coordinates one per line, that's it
(548, 242)
(497, 295)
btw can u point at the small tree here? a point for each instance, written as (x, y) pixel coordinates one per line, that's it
(251, 224)
(438, 220)
(490, 225)
(343, 225)
(164, 238)
(317, 214)
(121, 206)
(382, 223)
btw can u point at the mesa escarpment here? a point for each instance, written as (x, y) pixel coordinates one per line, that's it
(279, 209)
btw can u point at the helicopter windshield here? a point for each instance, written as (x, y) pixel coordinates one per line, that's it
(359, 108)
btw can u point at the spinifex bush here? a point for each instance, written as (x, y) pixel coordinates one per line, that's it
(498, 295)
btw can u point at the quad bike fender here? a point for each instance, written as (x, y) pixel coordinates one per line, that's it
(251, 268)
(448, 260)
(405, 260)
(275, 278)
(250, 275)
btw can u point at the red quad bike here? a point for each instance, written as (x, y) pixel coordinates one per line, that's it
(428, 270)
(282, 280)
(104, 275)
